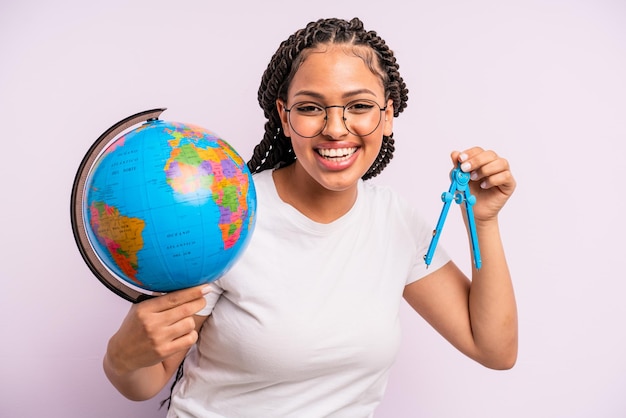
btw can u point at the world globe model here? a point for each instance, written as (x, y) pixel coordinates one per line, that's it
(160, 206)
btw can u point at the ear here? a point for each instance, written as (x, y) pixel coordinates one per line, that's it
(283, 114)
(388, 119)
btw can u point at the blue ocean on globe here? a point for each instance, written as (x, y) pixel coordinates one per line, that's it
(169, 206)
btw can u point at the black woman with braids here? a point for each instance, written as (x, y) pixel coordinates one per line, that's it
(306, 324)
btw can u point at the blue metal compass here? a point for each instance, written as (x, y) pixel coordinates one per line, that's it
(460, 193)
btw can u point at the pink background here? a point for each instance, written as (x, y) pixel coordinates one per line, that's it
(542, 82)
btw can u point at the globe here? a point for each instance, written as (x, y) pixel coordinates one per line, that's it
(164, 206)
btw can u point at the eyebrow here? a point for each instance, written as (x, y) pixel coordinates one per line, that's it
(345, 95)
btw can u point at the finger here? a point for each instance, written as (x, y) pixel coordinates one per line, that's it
(168, 309)
(455, 157)
(187, 340)
(180, 297)
(183, 342)
(180, 328)
(160, 333)
(485, 165)
(186, 310)
(475, 161)
(503, 180)
(460, 156)
(172, 346)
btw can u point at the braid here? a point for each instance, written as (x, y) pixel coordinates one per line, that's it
(275, 149)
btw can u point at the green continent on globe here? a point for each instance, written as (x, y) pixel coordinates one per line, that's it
(120, 235)
(215, 169)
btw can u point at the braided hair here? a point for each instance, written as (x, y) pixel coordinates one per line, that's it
(275, 150)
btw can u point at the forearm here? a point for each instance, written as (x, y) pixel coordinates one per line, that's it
(493, 310)
(143, 383)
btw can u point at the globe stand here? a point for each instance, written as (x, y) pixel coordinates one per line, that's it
(108, 278)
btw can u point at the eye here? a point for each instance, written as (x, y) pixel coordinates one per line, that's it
(360, 106)
(308, 109)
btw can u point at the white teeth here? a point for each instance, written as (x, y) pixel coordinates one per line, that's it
(336, 152)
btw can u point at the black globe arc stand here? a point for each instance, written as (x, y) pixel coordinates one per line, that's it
(103, 274)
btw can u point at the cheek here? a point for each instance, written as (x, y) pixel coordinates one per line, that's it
(297, 144)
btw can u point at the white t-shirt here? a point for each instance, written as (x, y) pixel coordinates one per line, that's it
(306, 324)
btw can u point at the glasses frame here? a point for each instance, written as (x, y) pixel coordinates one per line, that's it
(343, 116)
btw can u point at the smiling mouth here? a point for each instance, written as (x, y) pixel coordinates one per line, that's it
(336, 154)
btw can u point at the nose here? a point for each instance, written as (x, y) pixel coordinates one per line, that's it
(335, 126)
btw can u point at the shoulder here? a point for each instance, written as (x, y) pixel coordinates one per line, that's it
(262, 177)
(264, 186)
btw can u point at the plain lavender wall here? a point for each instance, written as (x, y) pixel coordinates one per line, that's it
(541, 81)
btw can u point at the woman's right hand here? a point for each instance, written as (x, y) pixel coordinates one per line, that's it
(156, 329)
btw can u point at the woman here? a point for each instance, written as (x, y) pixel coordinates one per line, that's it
(307, 322)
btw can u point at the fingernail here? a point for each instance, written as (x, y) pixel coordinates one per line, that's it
(483, 185)
(206, 289)
(473, 175)
(466, 167)
(462, 157)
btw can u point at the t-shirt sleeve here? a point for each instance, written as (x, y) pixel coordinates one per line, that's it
(423, 235)
(420, 270)
(211, 298)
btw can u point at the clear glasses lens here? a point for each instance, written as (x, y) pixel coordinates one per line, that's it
(360, 117)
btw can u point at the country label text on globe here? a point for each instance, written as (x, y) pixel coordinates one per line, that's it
(169, 206)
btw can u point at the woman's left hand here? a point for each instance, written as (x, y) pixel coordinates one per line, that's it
(491, 180)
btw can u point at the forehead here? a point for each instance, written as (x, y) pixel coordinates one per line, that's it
(330, 70)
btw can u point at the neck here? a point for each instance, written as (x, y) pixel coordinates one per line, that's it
(296, 188)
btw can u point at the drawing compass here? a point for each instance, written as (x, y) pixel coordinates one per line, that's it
(459, 192)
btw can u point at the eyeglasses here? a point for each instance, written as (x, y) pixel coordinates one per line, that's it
(360, 117)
